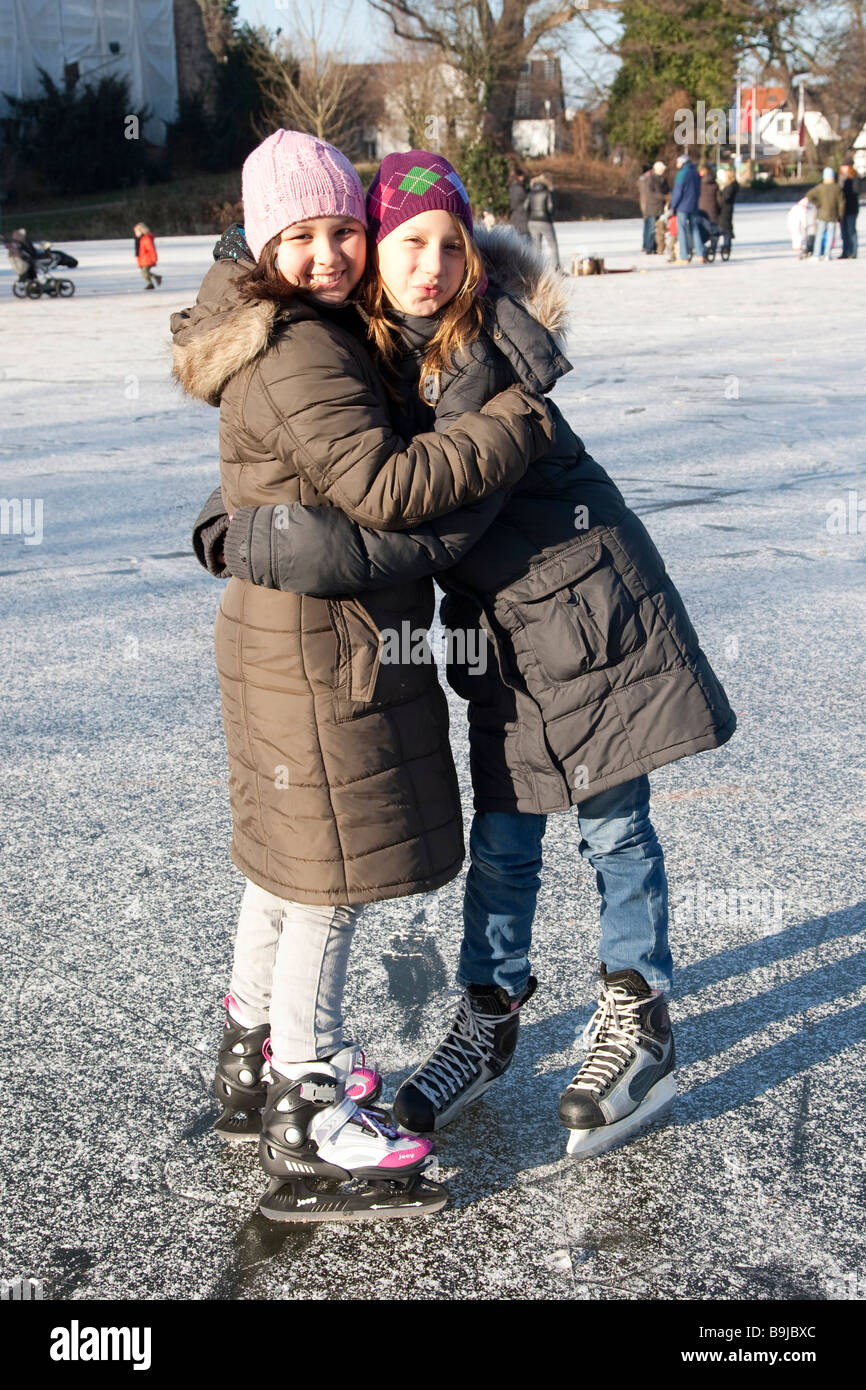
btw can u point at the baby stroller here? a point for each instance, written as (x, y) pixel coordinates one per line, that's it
(33, 263)
(712, 231)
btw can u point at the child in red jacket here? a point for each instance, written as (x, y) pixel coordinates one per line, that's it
(145, 254)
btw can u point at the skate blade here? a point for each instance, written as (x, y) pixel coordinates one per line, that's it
(285, 1202)
(239, 1126)
(589, 1143)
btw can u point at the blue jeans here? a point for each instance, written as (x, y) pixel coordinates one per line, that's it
(689, 234)
(618, 840)
(849, 235)
(824, 234)
(649, 235)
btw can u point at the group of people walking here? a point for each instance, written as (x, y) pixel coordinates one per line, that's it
(688, 219)
(830, 204)
(381, 366)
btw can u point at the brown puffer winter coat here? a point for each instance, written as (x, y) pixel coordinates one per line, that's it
(596, 674)
(341, 780)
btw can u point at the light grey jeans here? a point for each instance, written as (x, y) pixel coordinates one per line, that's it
(543, 232)
(290, 971)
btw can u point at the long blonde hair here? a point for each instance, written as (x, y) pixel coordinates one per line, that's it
(459, 324)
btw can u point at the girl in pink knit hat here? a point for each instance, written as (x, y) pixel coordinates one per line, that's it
(341, 781)
(566, 636)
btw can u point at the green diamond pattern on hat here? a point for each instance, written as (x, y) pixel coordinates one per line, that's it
(418, 180)
(408, 184)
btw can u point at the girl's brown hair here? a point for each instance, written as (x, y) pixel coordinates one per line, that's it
(264, 280)
(459, 324)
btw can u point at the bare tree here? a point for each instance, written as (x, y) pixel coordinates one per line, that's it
(842, 64)
(308, 85)
(486, 47)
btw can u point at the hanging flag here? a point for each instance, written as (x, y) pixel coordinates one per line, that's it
(801, 135)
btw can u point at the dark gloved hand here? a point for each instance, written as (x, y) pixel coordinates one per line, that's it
(212, 540)
(232, 245)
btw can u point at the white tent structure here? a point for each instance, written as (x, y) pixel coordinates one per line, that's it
(133, 39)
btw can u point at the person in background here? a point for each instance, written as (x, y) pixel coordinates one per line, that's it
(728, 190)
(22, 250)
(517, 198)
(684, 202)
(145, 254)
(851, 199)
(709, 202)
(653, 190)
(648, 244)
(827, 197)
(539, 207)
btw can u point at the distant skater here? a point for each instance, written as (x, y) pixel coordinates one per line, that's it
(539, 207)
(145, 254)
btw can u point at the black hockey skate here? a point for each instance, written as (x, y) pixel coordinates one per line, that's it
(242, 1092)
(476, 1050)
(330, 1161)
(628, 1077)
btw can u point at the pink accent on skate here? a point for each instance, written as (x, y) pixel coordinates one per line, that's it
(236, 1012)
(363, 1083)
(401, 1158)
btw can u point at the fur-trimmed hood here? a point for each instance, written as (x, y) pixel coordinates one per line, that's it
(220, 334)
(514, 265)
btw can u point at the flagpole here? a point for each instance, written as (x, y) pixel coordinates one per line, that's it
(753, 123)
(739, 120)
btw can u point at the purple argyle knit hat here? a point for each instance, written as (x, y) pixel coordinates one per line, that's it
(292, 176)
(406, 184)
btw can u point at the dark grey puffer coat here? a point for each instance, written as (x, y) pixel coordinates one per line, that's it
(594, 673)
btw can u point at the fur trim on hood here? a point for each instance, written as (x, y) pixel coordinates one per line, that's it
(219, 335)
(515, 267)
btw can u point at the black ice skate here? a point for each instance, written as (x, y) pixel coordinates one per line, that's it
(477, 1049)
(242, 1092)
(627, 1078)
(330, 1161)
(238, 1081)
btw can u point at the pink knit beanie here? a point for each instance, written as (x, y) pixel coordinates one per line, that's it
(292, 176)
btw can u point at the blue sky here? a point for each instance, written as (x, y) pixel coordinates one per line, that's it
(363, 34)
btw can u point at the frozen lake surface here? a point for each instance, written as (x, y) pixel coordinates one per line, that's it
(728, 403)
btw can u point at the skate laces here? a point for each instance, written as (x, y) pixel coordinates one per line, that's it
(460, 1057)
(609, 1037)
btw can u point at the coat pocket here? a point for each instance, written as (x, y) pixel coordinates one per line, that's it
(356, 667)
(572, 615)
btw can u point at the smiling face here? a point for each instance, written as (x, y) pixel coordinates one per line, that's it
(422, 262)
(325, 256)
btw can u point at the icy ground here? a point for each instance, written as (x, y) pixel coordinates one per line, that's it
(728, 402)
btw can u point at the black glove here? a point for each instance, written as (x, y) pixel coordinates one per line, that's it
(232, 245)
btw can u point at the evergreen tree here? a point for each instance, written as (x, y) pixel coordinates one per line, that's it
(683, 46)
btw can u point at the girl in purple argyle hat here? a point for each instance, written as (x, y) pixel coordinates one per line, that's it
(429, 267)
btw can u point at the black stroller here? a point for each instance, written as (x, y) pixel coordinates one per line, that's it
(33, 263)
(711, 232)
